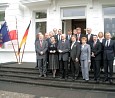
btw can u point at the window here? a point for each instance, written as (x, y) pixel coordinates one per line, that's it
(109, 10)
(73, 12)
(41, 27)
(109, 25)
(109, 20)
(2, 15)
(40, 15)
(41, 21)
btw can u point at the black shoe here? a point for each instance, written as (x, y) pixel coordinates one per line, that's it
(73, 79)
(111, 81)
(66, 78)
(105, 80)
(61, 77)
(97, 81)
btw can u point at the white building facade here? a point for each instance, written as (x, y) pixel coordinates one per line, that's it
(48, 14)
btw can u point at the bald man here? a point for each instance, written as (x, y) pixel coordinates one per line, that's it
(63, 49)
(89, 36)
(41, 49)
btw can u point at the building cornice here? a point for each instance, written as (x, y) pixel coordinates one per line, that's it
(35, 2)
(3, 6)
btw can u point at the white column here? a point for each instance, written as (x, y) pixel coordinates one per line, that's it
(94, 16)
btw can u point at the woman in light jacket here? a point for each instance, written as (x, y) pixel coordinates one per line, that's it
(85, 58)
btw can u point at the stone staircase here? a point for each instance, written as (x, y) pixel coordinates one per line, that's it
(30, 76)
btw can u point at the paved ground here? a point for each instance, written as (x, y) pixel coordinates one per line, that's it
(22, 65)
(15, 90)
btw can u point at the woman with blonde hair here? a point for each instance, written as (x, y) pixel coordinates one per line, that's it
(100, 36)
(85, 58)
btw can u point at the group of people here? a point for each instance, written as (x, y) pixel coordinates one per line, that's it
(56, 51)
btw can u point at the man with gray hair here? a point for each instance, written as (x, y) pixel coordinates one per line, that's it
(37, 38)
(41, 49)
(63, 49)
(108, 56)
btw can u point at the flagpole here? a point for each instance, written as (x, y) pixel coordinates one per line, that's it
(14, 50)
(17, 41)
(23, 52)
(13, 47)
(24, 41)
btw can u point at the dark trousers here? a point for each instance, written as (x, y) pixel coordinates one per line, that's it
(42, 66)
(63, 68)
(108, 64)
(96, 68)
(74, 68)
(36, 62)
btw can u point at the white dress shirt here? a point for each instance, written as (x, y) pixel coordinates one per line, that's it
(72, 44)
(108, 42)
(89, 35)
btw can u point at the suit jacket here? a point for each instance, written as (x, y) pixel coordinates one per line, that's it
(108, 51)
(81, 35)
(97, 50)
(68, 38)
(56, 37)
(75, 51)
(53, 47)
(35, 43)
(48, 41)
(90, 41)
(85, 52)
(65, 47)
(43, 48)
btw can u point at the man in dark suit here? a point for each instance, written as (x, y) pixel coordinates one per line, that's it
(69, 34)
(79, 35)
(63, 49)
(108, 56)
(41, 48)
(89, 41)
(74, 56)
(96, 50)
(47, 38)
(68, 37)
(89, 36)
(58, 36)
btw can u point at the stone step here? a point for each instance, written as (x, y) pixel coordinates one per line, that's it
(49, 77)
(19, 71)
(36, 73)
(17, 68)
(61, 84)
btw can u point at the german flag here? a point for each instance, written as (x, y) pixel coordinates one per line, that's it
(24, 37)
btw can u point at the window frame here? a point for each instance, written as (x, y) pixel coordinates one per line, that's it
(72, 17)
(110, 16)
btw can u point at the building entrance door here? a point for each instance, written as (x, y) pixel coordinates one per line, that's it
(73, 24)
(79, 23)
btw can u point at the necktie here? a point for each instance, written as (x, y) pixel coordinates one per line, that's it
(78, 37)
(94, 44)
(58, 37)
(107, 43)
(40, 43)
